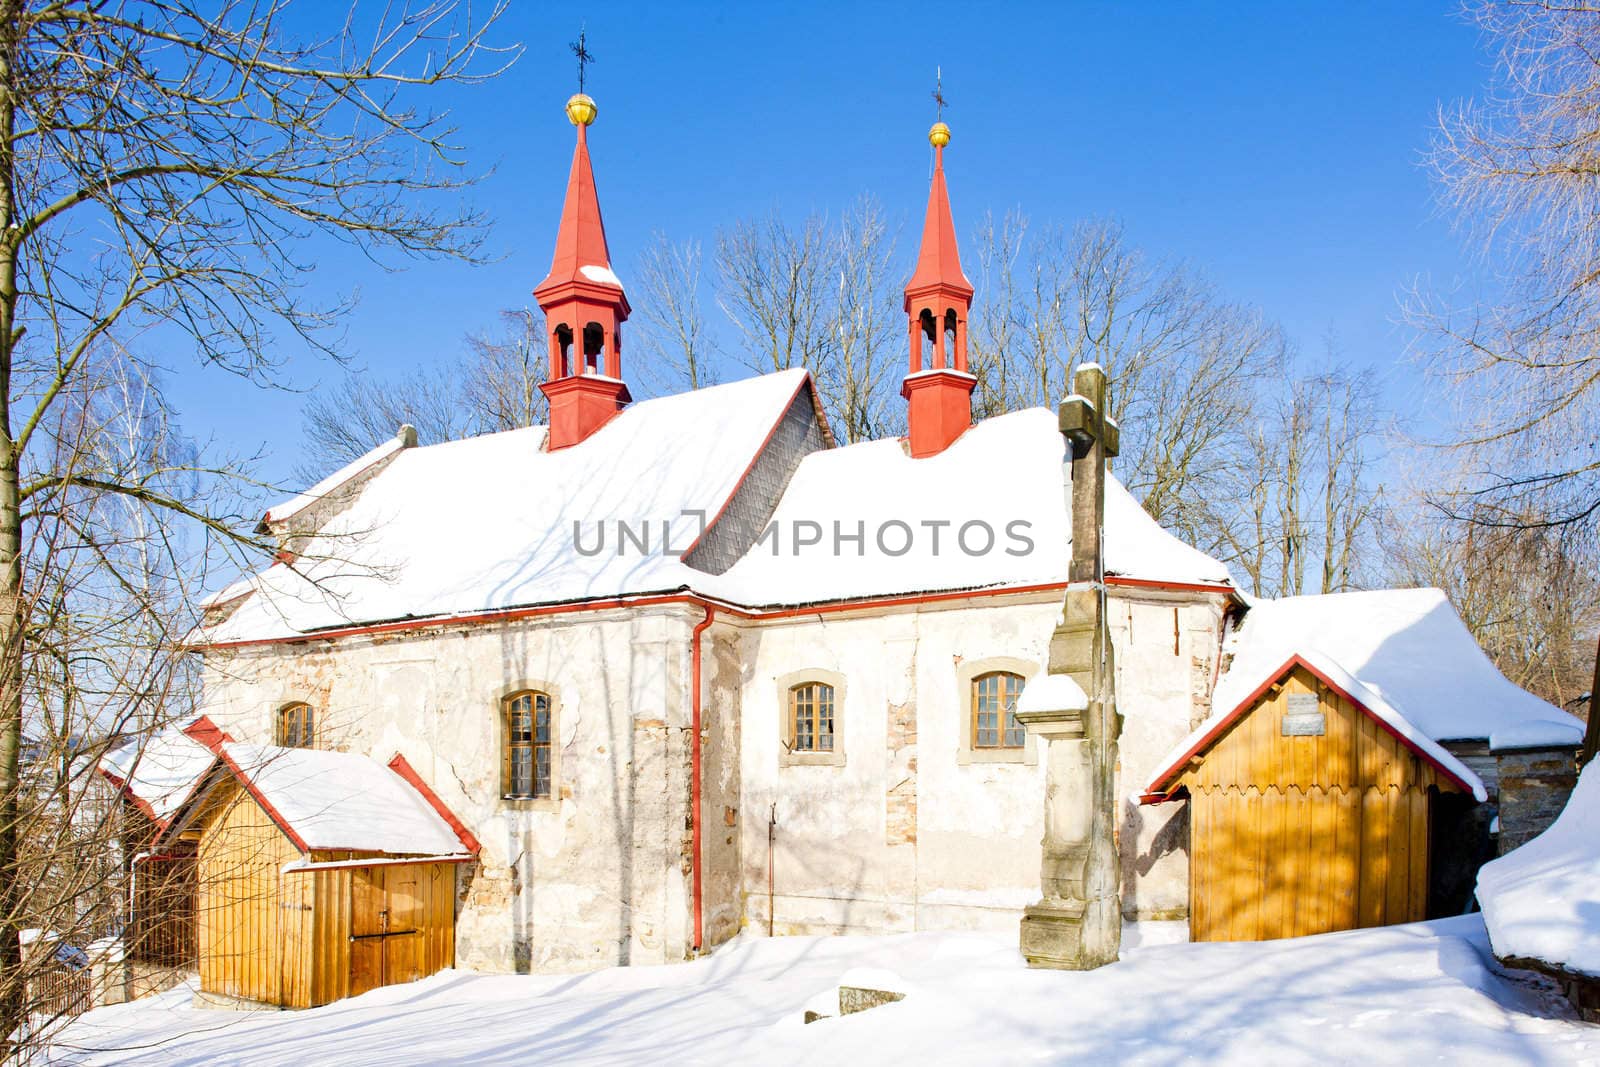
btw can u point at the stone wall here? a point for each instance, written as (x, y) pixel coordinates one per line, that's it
(595, 875)
(911, 830)
(1166, 655)
(1534, 786)
(908, 829)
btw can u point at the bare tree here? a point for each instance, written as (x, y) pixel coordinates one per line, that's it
(1524, 590)
(860, 380)
(992, 334)
(350, 418)
(675, 338)
(109, 584)
(205, 146)
(1301, 493)
(771, 280)
(494, 387)
(1345, 428)
(1516, 170)
(500, 389)
(1184, 364)
(821, 295)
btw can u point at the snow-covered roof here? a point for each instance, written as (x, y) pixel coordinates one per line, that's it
(1007, 472)
(1542, 901)
(497, 522)
(341, 800)
(1410, 648)
(1249, 686)
(159, 772)
(296, 504)
(488, 522)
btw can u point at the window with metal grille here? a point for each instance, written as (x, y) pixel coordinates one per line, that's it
(297, 726)
(994, 711)
(811, 718)
(527, 763)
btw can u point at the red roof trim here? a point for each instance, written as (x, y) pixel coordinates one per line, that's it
(121, 785)
(689, 600)
(197, 731)
(205, 732)
(266, 805)
(1161, 786)
(402, 766)
(1177, 587)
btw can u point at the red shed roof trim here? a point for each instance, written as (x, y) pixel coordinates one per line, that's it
(402, 766)
(1343, 684)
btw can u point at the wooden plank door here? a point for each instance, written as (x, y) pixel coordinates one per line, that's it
(403, 955)
(368, 926)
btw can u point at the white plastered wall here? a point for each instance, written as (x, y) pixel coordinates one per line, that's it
(848, 857)
(595, 876)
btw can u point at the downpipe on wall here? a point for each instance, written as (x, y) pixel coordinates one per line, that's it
(696, 864)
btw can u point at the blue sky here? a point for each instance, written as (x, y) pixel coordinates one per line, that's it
(1274, 146)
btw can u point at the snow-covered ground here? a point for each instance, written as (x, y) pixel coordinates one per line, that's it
(1425, 993)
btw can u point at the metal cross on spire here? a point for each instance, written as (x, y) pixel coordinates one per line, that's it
(585, 57)
(938, 91)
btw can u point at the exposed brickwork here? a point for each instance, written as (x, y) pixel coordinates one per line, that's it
(1534, 786)
(1199, 689)
(900, 825)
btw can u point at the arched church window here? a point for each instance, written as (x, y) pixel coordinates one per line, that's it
(930, 325)
(994, 711)
(811, 717)
(528, 731)
(297, 726)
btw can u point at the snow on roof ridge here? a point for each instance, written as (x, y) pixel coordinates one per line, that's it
(327, 799)
(1172, 763)
(1015, 459)
(159, 772)
(491, 523)
(1408, 645)
(405, 438)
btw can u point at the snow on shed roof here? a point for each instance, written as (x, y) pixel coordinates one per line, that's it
(159, 772)
(1411, 648)
(341, 800)
(1542, 901)
(488, 522)
(1007, 472)
(1171, 766)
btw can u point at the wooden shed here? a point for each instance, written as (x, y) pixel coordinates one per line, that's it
(319, 875)
(152, 778)
(1309, 808)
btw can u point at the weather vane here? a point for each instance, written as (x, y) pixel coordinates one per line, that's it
(585, 57)
(938, 90)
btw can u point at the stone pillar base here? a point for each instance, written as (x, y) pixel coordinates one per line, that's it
(1052, 936)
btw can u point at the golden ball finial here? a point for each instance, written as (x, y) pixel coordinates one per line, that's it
(581, 110)
(939, 136)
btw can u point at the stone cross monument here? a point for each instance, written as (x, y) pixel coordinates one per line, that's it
(1073, 710)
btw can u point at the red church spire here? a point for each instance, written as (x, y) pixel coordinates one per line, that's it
(584, 306)
(938, 297)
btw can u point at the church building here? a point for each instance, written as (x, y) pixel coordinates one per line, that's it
(686, 666)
